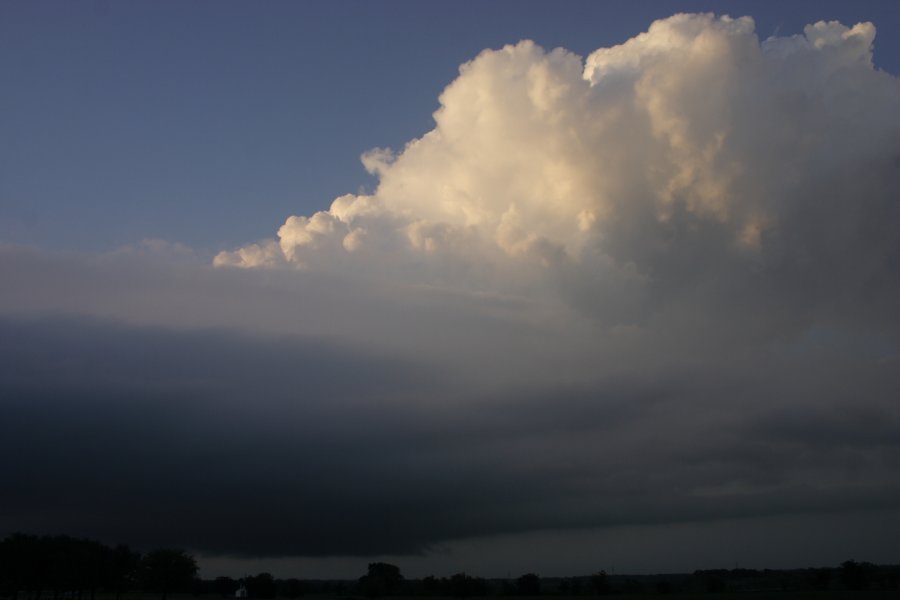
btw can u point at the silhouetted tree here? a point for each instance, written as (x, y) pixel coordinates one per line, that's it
(716, 584)
(261, 586)
(91, 562)
(464, 586)
(600, 583)
(382, 579)
(576, 586)
(528, 584)
(856, 576)
(290, 588)
(167, 571)
(820, 578)
(62, 564)
(123, 569)
(19, 563)
(430, 584)
(225, 586)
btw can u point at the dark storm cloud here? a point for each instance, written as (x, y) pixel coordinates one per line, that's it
(255, 446)
(167, 437)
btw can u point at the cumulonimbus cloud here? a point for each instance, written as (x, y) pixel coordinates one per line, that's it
(692, 166)
(655, 285)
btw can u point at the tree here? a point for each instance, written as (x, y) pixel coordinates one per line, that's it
(600, 582)
(63, 565)
(261, 586)
(528, 584)
(431, 584)
(19, 563)
(465, 586)
(122, 569)
(290, 588)
(226, 586)
(382, 579)
(167, 571)
(855, 575)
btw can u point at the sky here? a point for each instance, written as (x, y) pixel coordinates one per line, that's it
(496, 287)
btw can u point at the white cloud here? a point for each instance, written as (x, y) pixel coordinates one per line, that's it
(690, 168)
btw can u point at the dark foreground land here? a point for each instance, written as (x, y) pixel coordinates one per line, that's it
(772, 595)
(65, 568)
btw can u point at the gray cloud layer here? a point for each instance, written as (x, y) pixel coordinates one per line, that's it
(655, 286)
(295, 447)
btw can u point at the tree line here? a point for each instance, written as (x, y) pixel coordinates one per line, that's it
(65, 568)
(386, 580)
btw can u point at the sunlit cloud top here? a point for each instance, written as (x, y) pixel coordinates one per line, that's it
(691, 137)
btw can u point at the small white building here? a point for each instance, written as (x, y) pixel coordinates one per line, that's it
(241, 592)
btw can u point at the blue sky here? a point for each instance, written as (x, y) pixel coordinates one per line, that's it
(205, 123)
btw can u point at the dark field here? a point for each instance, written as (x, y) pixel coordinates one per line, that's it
(779, 595)
(64, 568)
(773, 595)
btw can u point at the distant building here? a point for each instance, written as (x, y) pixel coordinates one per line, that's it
(241, 592)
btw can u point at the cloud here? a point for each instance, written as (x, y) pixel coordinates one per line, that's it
(657, 285)
(692, 168)
(240, 445)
